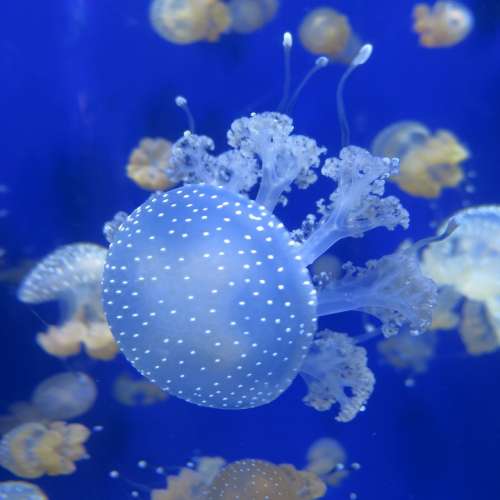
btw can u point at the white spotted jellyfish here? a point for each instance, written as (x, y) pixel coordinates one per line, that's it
(209, 295)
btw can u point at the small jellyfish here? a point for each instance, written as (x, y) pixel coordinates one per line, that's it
(324, 31)
(428, 163)
(20, 412)
(327, 267)
(409, 352)
(20, 490)
(258, 479)
(326, 458)
(71, 275)
(444, 24)
(64, 396)
(35, 449)
(148, 162)
(189, 21)
(248, 16)
(134, 392)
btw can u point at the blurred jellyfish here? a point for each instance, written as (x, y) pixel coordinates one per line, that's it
(209, 295)
(71, 275)
(248, 16)
(35, 449)
(20, 490)
(428, 163)
(444, 24)
(20, 412)
(188, 21)
(250, 479)
(327, 267)
(134, 392)
(148, 162)
(326, 458)
(444, 315)
(409, 352)
(65, 396)
(324, 31)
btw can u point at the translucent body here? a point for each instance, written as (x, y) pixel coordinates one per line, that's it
(257, 479)
(248, 16)
(34, 449)
(134, 392)
(188, 21)
(326, 458)
(65, 396)
(148, 162)
(20, 412)
(428, 163)
(211, 303)
(324, 31)
(20, 490)
(444, 24)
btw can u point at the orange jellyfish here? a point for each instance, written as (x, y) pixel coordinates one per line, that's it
(134, 392)
(148, 163)
(442, 25)
(64, 396)
(20, 490)
(324, 31)
(428, 163)
(35, 449)
(189, 21)
(71, 275)
(248, 16)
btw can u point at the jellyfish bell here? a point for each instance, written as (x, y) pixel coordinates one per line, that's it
(325, 31)
(65, 396)
(188, 21)
(71, 275)
(444, 24)
(20, 490)
(248, 16)
(428, 162)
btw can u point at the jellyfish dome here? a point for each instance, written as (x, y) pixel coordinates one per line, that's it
(20, 490)
(206, 297)
(65, 396)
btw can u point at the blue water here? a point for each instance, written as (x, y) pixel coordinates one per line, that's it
(83, 80)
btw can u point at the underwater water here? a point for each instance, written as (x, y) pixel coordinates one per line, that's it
(83, 82)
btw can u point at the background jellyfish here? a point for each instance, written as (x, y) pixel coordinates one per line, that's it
(65, 396)
(131, 391)
(35, 449)
(444, 24)
(324, 31)
(20, 412)
(327, 458)
(20, 490)
(248, 16)
(188, 21)
(209, 296)
(148, 162)
(468, 263)
(71, 275)
(428, 163)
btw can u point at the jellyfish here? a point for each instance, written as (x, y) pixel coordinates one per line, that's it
(147, 164)
(188, 21)
(33, 450)
(409, 352)
(468, 262)
(20, 412)
(248, 16)
(64, 396)
(71, 275)
(20, 490)
(250, 479)
(429, 162)
(133, 392)
(444, 315)
(326, 458)
(327, 267)
(209, 295)
(324, 31)
(444, 24)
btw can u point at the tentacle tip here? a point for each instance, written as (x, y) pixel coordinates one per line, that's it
(287, 40)
(363, 55)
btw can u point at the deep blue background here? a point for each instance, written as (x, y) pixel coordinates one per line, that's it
(83, 80)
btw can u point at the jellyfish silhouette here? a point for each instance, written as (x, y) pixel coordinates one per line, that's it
(248, 16)
(209, 295)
